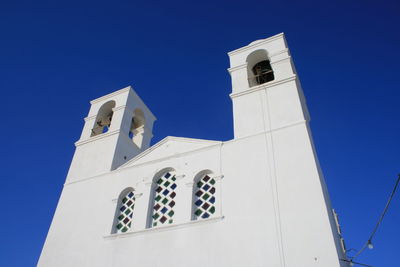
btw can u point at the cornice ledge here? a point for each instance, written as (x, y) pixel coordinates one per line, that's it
(263, 86)
(113, 109)
(286, 50)
(97, 137)
(88, 118)
(163, 228)
(121, 91)
(230, 70)
(280, 60)
(251, 46)
(122, 107)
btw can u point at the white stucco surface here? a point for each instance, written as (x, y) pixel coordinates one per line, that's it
(272, 207)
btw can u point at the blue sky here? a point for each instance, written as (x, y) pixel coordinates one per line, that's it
(55, 56)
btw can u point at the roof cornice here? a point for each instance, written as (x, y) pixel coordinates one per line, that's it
(257, 44)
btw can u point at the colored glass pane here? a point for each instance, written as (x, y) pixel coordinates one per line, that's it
(126, 206)
(163, 200)
(204, 197)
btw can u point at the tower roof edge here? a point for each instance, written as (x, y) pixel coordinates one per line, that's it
(257, 43)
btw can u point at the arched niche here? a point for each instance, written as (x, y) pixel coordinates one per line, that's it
(259, 68)
(103, 118)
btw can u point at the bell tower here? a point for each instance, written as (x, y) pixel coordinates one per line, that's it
(118, 127)
(266, 93)
(269, 108)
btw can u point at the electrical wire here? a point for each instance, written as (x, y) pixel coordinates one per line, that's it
(359, 263)
(379, 221)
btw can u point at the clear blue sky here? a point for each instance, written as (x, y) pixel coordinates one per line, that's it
(56, 56)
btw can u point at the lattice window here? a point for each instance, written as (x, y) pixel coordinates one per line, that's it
(204, 200)
(124, 219)
(164, 200)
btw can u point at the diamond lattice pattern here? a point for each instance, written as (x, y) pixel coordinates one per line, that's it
(164, 200)
(204, 198)
(124, 220)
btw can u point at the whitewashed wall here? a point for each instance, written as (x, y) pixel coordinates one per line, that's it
(272, 204)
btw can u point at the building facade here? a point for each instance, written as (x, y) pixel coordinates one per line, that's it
(257, 200)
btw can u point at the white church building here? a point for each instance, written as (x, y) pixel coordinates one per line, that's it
(258, 200)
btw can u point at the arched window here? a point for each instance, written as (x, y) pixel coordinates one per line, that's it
(164, 194)
(259, 68)
(126, 205)
(204, 197)
(103, 118)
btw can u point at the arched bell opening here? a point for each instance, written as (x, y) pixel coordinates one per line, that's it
(103, 118)
(137, 127)
(259, 68)
(263, 72)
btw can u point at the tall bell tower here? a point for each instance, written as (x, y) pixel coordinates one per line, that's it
(118, 127)
(268, 103)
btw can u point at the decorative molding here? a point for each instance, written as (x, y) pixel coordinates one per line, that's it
(163, 228)
(286, 50)
(257, 44)
(168, 157)
(165, 140)
(243, 66)
(88, 118)
(97, 137)
(183, 154)
(280, 60)
(122, 107)
(121, 91)
(264, 86)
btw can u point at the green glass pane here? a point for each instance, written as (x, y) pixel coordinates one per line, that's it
(120, 217)
(198, 212)
(165, 201)
(124, 229)
(155, 224)
(119, 226)
(158, 197)
(155, 216)
(159, 181)
(212, 209)
(167, 183)
(124, 200)
(200, 184)
(127, 211)
(212, 181)
(173, 179)
(206, 196)
(171, 213)
(170, 221)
